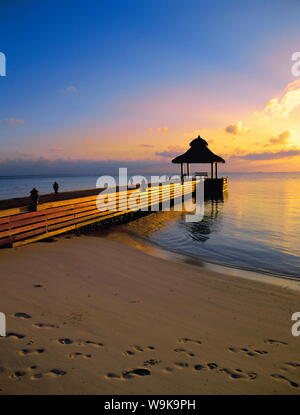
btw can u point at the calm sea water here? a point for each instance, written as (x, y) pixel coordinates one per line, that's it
(256, 226)
(16, 186)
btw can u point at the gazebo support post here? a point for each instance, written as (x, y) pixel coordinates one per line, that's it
(216, 170)
(188, 168)
(212, 170)
(182, 170)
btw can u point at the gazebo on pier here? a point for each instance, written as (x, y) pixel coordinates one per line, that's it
(199, 153)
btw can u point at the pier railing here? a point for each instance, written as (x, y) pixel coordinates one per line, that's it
(20, 226)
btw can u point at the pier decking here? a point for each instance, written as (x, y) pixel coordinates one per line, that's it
(69, 211)
(57, 214)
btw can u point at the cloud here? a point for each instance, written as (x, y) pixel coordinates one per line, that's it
(62, 166)
(236, 128)
(170, 152)
(281, 138)
(167, 153)
(71, 89)
(268, 155)
(13, 121)
(22, 154)
(146, 145)
(56, 149)
(283, 106)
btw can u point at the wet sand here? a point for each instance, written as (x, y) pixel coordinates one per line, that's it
(89, 315)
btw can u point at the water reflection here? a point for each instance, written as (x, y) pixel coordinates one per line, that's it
(256, 226)
(171, 230)
(200, 231)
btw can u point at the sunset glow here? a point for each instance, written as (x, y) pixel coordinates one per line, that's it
(147, 101)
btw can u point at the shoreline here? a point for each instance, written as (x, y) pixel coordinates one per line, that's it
(143, 244)
(88, 315)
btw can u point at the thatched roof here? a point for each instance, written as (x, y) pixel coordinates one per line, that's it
(198, 153)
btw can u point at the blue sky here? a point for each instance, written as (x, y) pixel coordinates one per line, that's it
(74, 64)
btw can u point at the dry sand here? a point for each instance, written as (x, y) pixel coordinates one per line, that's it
(88, 315)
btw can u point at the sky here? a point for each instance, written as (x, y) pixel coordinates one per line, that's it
(132, 82)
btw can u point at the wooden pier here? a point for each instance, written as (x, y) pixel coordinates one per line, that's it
(214, 188)
(69, 211)
(23, 220)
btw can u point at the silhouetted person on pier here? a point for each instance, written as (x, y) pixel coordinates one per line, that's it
(55, 187)
(34, 195)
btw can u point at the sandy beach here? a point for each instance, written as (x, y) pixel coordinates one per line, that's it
(89, 315)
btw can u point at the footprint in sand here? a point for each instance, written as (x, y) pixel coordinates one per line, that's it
(232, 373)
(22, 315)
(138, 349)
(27, 352)
(277, 342)
(187, 340)
(45, 326)
(184, 351)
(260, 351)
(168, 369)
(36, 376)
(233, 349)
(15, 336)
(206, 366)
(78, 355)
(247, 352)
(128, 353)
(55, 373)
(18, 374)
(181, 365)
(177, 365)
(292, 364)
(38, 286)
(129, 374)
(65, 341)
(281, 377)
(151, 362)
(113, 376)
(239, 374)
(90, 343)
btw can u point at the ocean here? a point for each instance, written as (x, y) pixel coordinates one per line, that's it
(255, 227)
